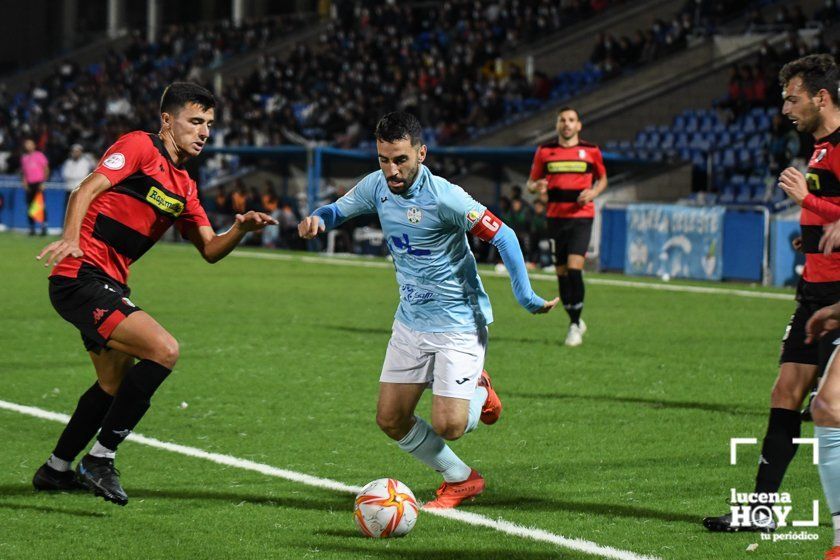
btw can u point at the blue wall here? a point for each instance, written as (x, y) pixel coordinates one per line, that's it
(743, 245)
(613, 238)
(14, 211)
(783, 259)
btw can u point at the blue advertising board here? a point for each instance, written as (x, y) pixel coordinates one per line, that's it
(674, 241)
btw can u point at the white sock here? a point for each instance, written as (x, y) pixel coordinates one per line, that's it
(835, 519)
(476, 404)
(424, 444)
(58, 464)
(99, 450)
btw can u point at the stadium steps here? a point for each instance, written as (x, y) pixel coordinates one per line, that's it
(92, 53)
(569, 50)
(654, 94)
(241, 66)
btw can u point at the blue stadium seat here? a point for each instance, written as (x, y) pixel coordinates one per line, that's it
(745, 195)
(728, 159)
(692, 124)
(682, 141)
(727, 196)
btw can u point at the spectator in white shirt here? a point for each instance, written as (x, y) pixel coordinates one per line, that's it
(75, 169)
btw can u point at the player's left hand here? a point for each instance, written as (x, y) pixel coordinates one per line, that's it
(585, 197)
(549, 305)
(824, 320)
(254, 221)
(793, 182)
(830, 239)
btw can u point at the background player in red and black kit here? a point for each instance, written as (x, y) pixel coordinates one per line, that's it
(114, 216)
(811, 103)
(571, 173)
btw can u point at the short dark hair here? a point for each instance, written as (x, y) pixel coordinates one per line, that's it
(818, 71)
(178, 94)
(399, 126)
(567, 108)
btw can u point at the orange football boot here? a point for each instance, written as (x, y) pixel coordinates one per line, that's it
(492, 408)
(833, 553)
(450, 494)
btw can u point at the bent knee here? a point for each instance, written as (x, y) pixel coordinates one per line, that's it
(396, 427)
(824, 412)
(450, 431)
(166, 352)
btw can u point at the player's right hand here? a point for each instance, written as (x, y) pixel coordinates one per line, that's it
(549, 305)
(310, 227)
(797, 244)
(540, 186)
(824, 320)
(57, 250)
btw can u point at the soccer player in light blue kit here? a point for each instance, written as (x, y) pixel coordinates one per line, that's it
(439, 334)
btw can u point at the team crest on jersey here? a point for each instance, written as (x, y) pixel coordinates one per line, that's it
(581, 154)
(114, 161)
(414, 215)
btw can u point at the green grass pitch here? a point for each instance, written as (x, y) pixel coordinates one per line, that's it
(623, 441)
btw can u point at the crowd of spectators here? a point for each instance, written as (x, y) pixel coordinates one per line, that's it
(440, 60)
(92, 106)
(224, 204)
(615, 55)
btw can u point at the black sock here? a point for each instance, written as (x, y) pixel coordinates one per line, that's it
(563, 282)
(778, 449)
(132, 401)
(92, 408)
(574, 307)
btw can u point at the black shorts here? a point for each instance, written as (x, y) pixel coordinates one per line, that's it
(794, 348)
(569, 236)
(93, 302)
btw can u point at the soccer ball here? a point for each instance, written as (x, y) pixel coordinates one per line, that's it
(385, 508)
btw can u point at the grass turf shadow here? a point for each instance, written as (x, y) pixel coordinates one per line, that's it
(651, 403)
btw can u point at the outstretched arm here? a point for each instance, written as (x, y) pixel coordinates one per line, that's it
(216, 247)
(493, 230)
(324, 218)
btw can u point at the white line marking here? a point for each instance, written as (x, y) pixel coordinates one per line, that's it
(342, 261)
(328, 484)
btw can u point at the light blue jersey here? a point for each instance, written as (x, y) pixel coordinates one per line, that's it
(425, 229)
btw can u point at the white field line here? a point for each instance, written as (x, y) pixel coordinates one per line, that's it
(328, 484)
(595, 281)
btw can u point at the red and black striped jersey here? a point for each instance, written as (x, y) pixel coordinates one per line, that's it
(569, 171)
(148, 194)
(821, 277)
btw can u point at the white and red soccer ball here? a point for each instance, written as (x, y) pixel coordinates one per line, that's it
(385, 508)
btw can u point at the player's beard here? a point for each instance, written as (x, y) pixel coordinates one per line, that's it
(810, 122)
(406, 183)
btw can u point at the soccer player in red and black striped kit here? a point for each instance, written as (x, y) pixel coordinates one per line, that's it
(571, 173)
(138, 190)
(811, 102)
